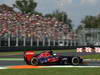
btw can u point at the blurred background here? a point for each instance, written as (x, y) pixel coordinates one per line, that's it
(22, 25)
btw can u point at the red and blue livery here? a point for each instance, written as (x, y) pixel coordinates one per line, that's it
(48, 57)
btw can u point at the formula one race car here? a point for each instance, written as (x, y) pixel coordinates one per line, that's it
(48, 57)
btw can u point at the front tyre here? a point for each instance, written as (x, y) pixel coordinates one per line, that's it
(34, 61)
(75, 61)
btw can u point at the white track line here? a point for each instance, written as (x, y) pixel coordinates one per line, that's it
(3, 67)
(11, 59)
(21, 59)
(71, 66)
(58, 67)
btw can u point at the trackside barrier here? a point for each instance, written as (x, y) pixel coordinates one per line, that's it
(89, 50)
(26, 48)
(10, 49)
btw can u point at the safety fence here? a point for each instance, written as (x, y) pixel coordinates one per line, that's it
(84, 38)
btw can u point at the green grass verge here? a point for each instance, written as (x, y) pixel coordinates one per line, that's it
(92, 56)
(52, 71)
(59, 51)
(21, 52)
(9, 53)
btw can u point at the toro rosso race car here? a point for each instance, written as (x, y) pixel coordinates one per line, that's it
(48, 57)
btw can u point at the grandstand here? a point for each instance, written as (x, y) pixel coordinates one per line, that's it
(21, 30)
(15, 26)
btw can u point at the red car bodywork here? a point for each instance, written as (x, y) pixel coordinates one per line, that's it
(28, 55)
(47, 57)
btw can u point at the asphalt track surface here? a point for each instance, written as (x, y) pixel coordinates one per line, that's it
(10, 62)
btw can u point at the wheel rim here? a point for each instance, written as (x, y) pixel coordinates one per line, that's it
(34, 61)
(75, 61)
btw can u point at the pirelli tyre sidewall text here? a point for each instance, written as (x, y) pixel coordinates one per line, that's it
(34, 61)
(75, 60)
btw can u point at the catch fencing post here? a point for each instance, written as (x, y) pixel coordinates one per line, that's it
(53, 42)
(9, 41)
(48, 42)
(31, 41)
(37, 43)
(43, 41)
(17, 41)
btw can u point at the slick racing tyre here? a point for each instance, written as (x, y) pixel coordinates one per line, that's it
(75, 60)
(34, 61)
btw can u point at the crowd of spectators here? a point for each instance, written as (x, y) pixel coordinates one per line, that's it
(16, 24)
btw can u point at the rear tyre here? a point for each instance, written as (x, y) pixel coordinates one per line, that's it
(34, 61)
(75, 60)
